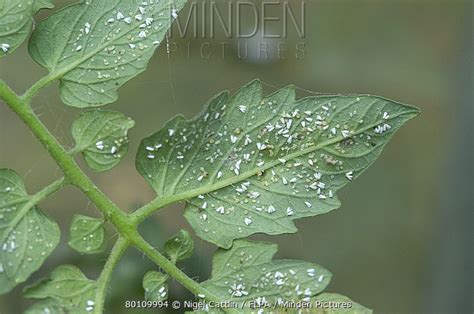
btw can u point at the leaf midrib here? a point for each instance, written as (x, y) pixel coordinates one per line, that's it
(256, 258)
(57, 74)
(106, 134)
(96, 228)
(277, 267)
(22, 213)
(170, 199)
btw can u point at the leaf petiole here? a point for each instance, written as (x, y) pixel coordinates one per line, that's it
(102, 283)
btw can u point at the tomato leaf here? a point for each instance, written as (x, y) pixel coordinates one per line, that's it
(95, 47)
(156, 286)
(27, 235)
(102, 138)
(247, 272)
(16, 22)
(67, 290)
(252, 164)
(180, 246)
(87, 234)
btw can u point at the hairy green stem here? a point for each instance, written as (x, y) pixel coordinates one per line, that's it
(102, 283)
(66, 162)
(169, 267)
(125, 225)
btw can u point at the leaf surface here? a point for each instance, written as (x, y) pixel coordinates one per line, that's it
(87, 234)
(46, 306)
(180, 246)
(95, 47)
(102, 137)
(27, 235)
(252, 164)
(67, 290)
(156, 286)
(16, 21)
(247, 272)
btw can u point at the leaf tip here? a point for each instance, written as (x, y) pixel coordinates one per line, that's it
(415, 111)
(255, 83)
(411, 112)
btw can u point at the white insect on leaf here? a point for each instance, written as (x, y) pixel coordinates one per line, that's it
(16, 21)
(264, 166)
(87, 234)
(94, 47)
(102, 137)
(246, 272)
(5, 47)
(156, 286)
(67, 290)
(27, 235)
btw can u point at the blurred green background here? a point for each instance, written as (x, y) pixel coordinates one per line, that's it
(401, 242)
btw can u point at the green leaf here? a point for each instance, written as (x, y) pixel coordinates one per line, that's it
(87, 234)
(250, 164)
(180, 246)
(156, 286)
(27, 235)
(333, 303)
(66, 289)
(46, 306)
(16, 21)
(95, 47)
(247, 272)
(101, 136)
